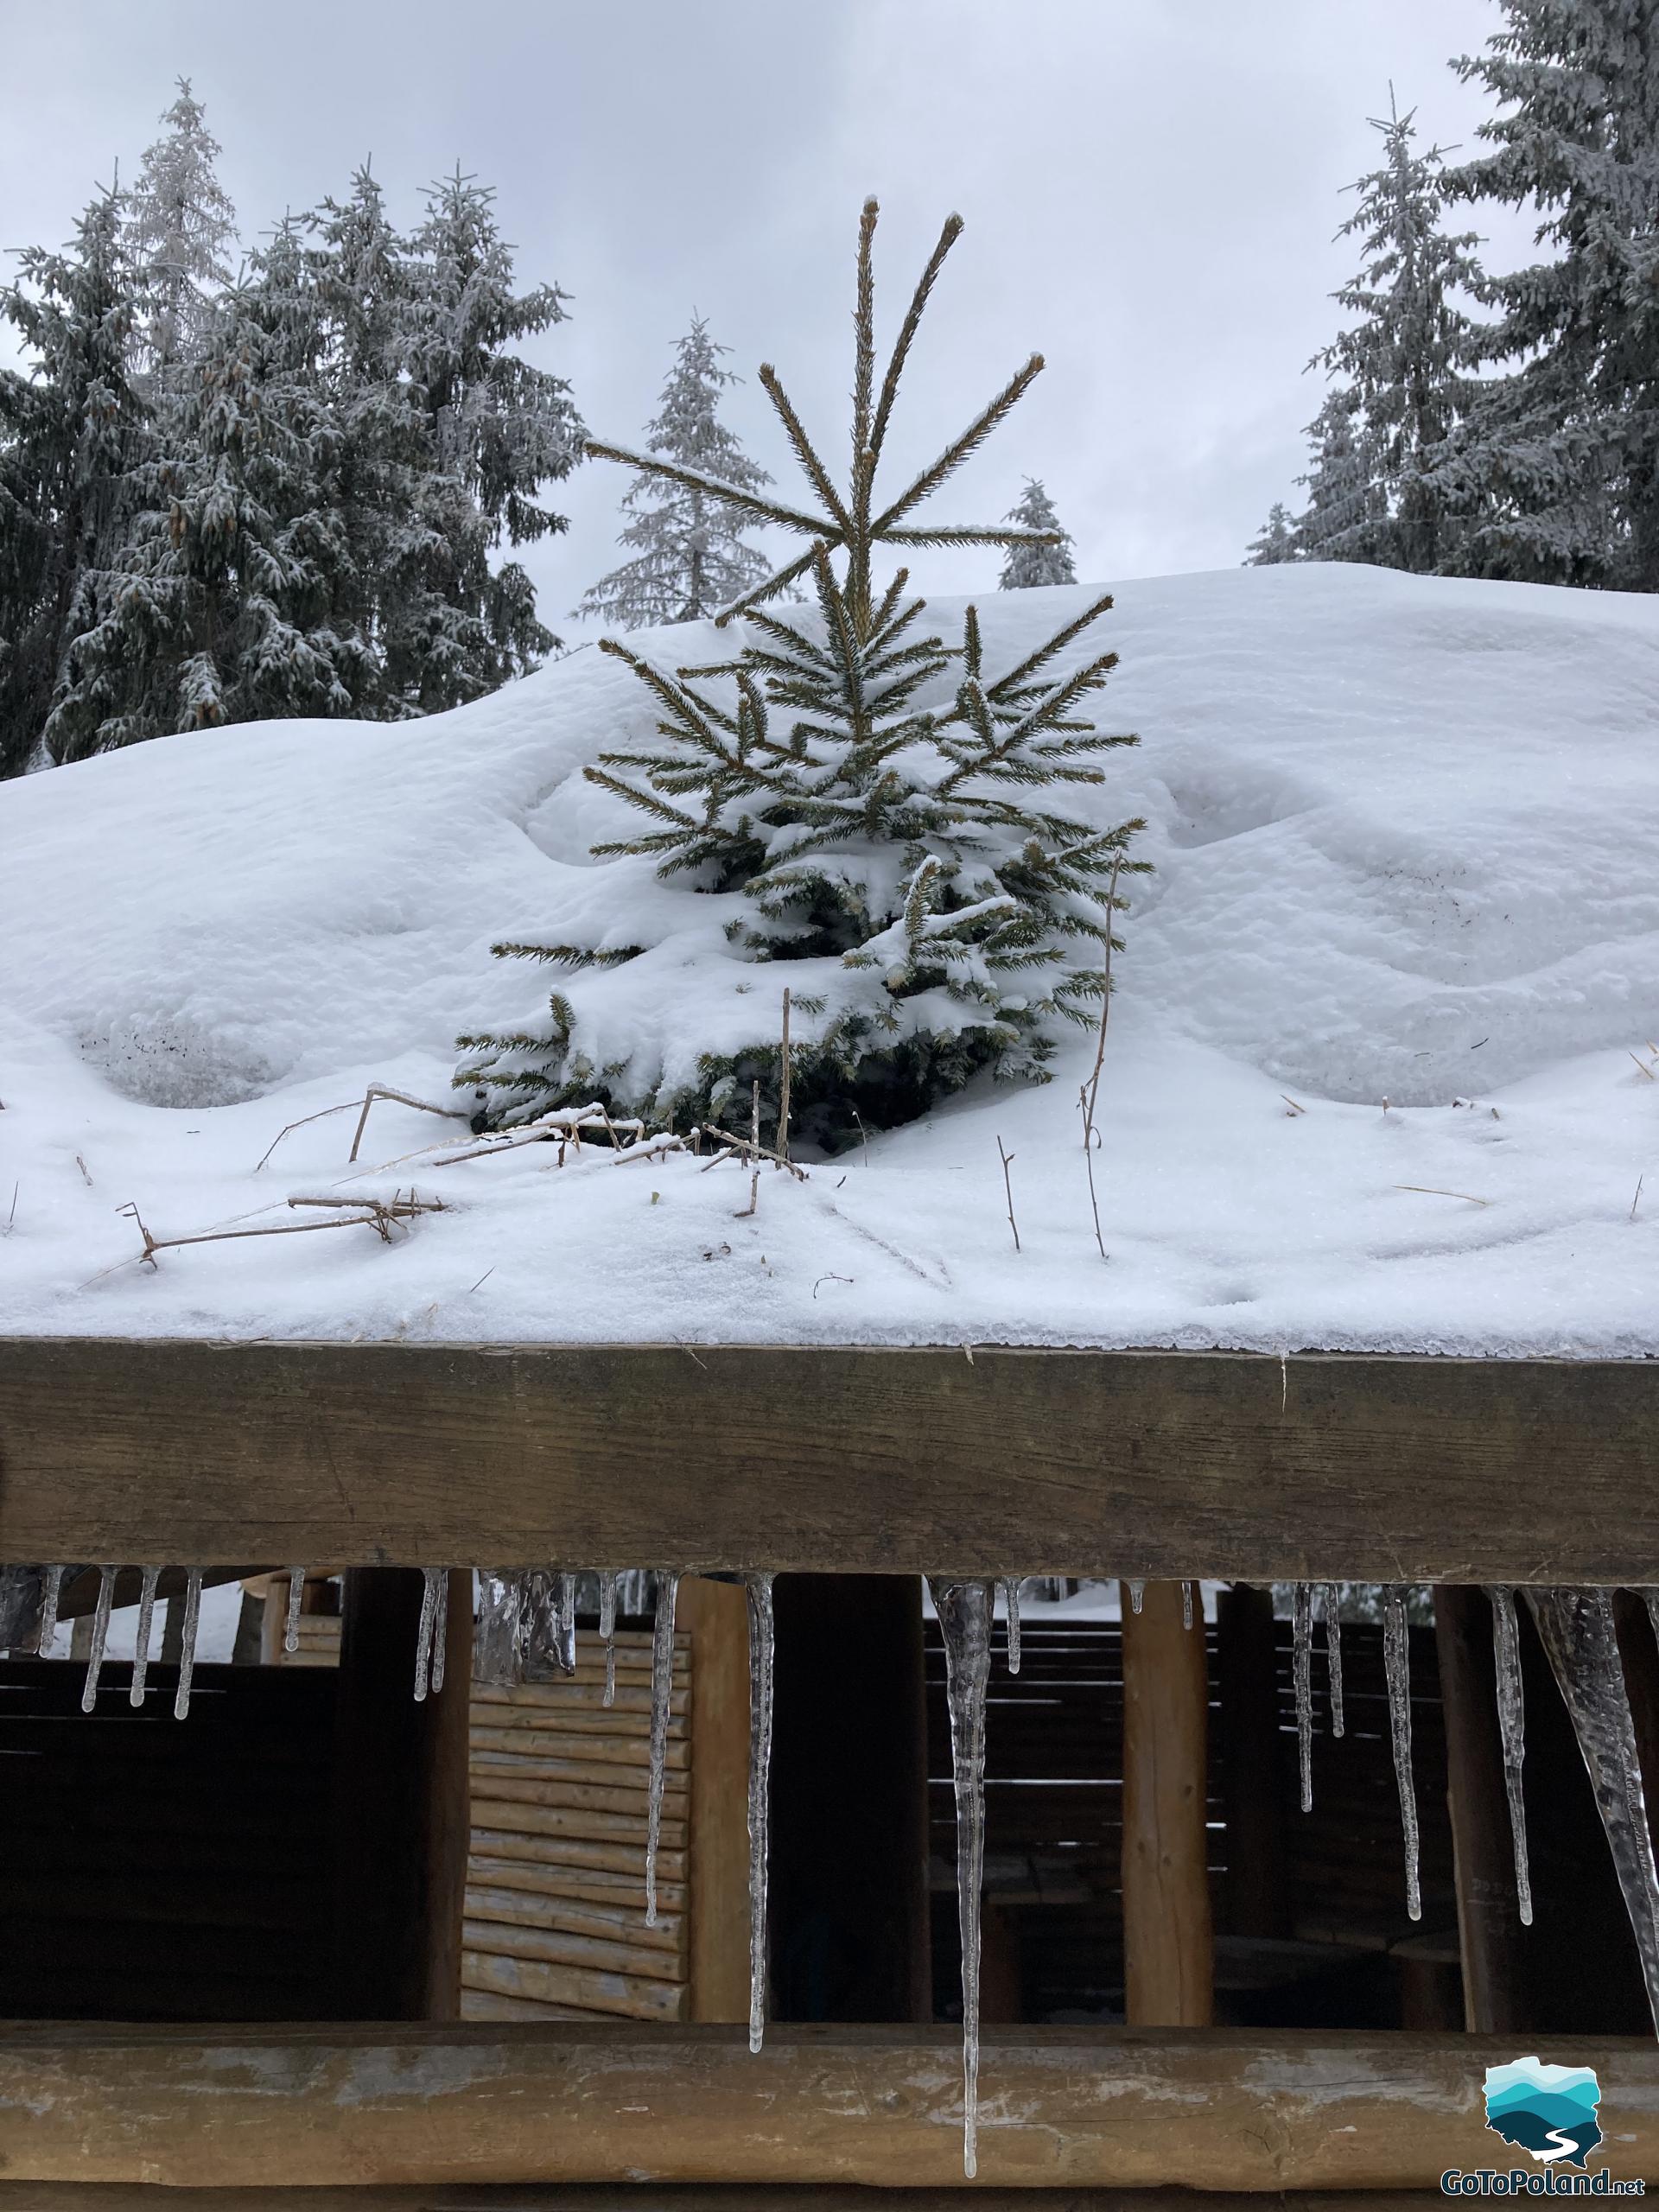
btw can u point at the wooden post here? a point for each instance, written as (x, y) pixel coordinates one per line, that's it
(1168, 1950)
(402, 1802)
(1489, 1920)
(1258, 1889)
(851, 1931)
(716, 1614)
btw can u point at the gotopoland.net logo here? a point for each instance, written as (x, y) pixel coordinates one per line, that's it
(1551, 2113)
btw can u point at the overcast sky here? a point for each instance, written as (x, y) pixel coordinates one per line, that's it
(1150, 187)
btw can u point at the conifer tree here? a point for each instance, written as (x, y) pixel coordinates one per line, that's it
(1029, 566)
(491, 430)
(181, 238)
(71, 433)
(1406, 355)
(690, 557)
(1346, 518)
(221, 607)
(1565, 445)
(1276, 541)
(871, 816)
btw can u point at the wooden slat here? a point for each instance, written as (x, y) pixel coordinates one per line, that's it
(503, 1939)
(627, 1744)
(546, 1877)
(602, 1774)
(500, 1813)
(575, 1852)
(1153, 1463)
(629, 1996)
(1061, 2108)
(94, 2196)
(611, 1922)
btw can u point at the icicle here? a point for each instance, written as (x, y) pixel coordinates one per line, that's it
(1511, 1728)
(608, 1631)
(759, 1587)
(662, 1688)
(295, 1591)
(1331, 1614)
(100, 1636)
(1187, 1588)
(965, 1611)
(51, 1588)
(141, 1647)
(187, 1642)
(1396, 1660)
(1577, 1630)
(1137, 1591)
(440, 1630)
(1011, 1594)
(1301, 1673)
(499, 1641)
(564, 1637)
(423, 1633)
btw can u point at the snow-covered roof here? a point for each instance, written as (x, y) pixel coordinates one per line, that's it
(1407, 843)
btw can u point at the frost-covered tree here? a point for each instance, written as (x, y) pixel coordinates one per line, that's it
(181, 239)
(489, 431)
(1346, 518)
(1565, 445)
(1049, 561)
(1407, 353)
(691, 555)
(222, 605)
(72, 433)
(848, 806)
(1276, 541)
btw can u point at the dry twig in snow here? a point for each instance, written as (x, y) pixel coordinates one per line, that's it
(421, 1105)
(1091, 1088)
(321, 1116)
(1008, 1184)
(1428, 1190)
(754, 1206)
(378, 1214)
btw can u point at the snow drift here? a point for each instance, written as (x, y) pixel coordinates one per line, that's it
(1406, 837)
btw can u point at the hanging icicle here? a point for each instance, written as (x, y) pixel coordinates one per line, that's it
(1331, 1614)
(440, 1630)
(662, 1690)
(1576, 1628)
(100, 1636)
(1302, 1673)
(1187, 1588)
(51, 1590)
(608, 1631)
(1512, 1732)
(965, 1611)
(1396, 1661)
(499, 1639)
(1137, 1591)
(430, 1577)
(296, 1593)
(187, 1642)
(1011, 1596)
(141, 1646)
(759, 1588)
(564, 1649)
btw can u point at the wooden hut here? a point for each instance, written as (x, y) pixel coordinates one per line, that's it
(1435, 1472)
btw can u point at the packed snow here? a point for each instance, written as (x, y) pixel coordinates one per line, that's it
(1380, 1071)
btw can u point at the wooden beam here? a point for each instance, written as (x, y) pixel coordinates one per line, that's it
(638, 2196)
(402, 1803)
(1061, 2108)
(716, 1616)
(1153, 1463)
(1169, 1966)
(1488, 1917)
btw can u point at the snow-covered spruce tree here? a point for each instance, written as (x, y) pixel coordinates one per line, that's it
(222, 605)
(1048, 561)
(905, 866)
(71, 435)
(1565, 446)
(1275, 541)
(1346, 518)
(1406, 354)
(691, 556)
(490, 431)
(181, 237)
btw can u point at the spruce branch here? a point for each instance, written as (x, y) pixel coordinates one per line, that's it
(803, 448)
(695, 479)
(962, 447)
(907, 329)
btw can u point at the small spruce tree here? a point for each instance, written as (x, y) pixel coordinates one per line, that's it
(896, 861)
(690, 557)
(1049, 562)
(1276, 541)
(180, 236)
(1347, 514)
